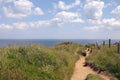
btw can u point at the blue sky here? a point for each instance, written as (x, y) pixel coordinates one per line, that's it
(59, 19)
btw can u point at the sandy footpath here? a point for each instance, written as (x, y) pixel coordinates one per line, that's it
(81, 72)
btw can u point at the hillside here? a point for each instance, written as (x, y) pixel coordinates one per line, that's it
(105, 60)
(36, 62)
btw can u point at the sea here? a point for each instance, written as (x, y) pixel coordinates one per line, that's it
(51, 42)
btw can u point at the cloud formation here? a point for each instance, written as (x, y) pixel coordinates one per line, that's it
(116, 10)
(105, 24)
(38, 11)
(69, 17)
(93, 9)
(20, 9)
(93, 12)
(64, 6)
(58, 20)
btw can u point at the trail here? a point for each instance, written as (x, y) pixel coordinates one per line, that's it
(81, 72)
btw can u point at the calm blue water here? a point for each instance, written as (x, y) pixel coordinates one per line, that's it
(49, 42)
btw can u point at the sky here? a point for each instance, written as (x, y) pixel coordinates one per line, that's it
(59, 19)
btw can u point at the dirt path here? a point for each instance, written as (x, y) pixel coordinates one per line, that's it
(81, 72)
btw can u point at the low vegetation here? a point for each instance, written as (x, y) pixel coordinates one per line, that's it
(93, 77)
(35, 62)
(105, 59)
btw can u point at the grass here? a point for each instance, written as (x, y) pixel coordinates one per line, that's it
(106, 59)
(36, 62)
(93, 77)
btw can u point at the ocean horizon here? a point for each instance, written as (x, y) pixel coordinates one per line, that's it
(51, 42)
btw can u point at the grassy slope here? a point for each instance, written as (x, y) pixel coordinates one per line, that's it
(35, 62)
(106, 59)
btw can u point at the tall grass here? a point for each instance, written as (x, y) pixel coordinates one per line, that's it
(35, 62)
(106, 59)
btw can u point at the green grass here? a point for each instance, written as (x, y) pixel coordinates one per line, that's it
(93, 77)
(106, 59)
(35, 62)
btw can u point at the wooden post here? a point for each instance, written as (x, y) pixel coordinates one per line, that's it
(97, 45)
(109, 43)
(118, 47)
(103, 43)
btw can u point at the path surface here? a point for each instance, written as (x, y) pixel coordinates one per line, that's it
(81, 72)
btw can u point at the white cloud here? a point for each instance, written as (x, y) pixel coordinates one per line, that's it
(58, 20)
(7, 1)
(77, 2)
(78, 20)
(116, 10)
(39, 24)
(38, 11)
(23, 6)
(66, 15)
(21, 9)
(93, 9)
(113, 23)
(17, 25)
(27, 25)
(105, 24)
(13, 14)
(4, 26)
(20, 25)
(69, 17)
(91, 21)
(64, 6)
(93, 28)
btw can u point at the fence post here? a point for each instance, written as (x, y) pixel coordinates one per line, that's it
(97, 46)
(103, 43)
(118, 47)
(109, 43)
